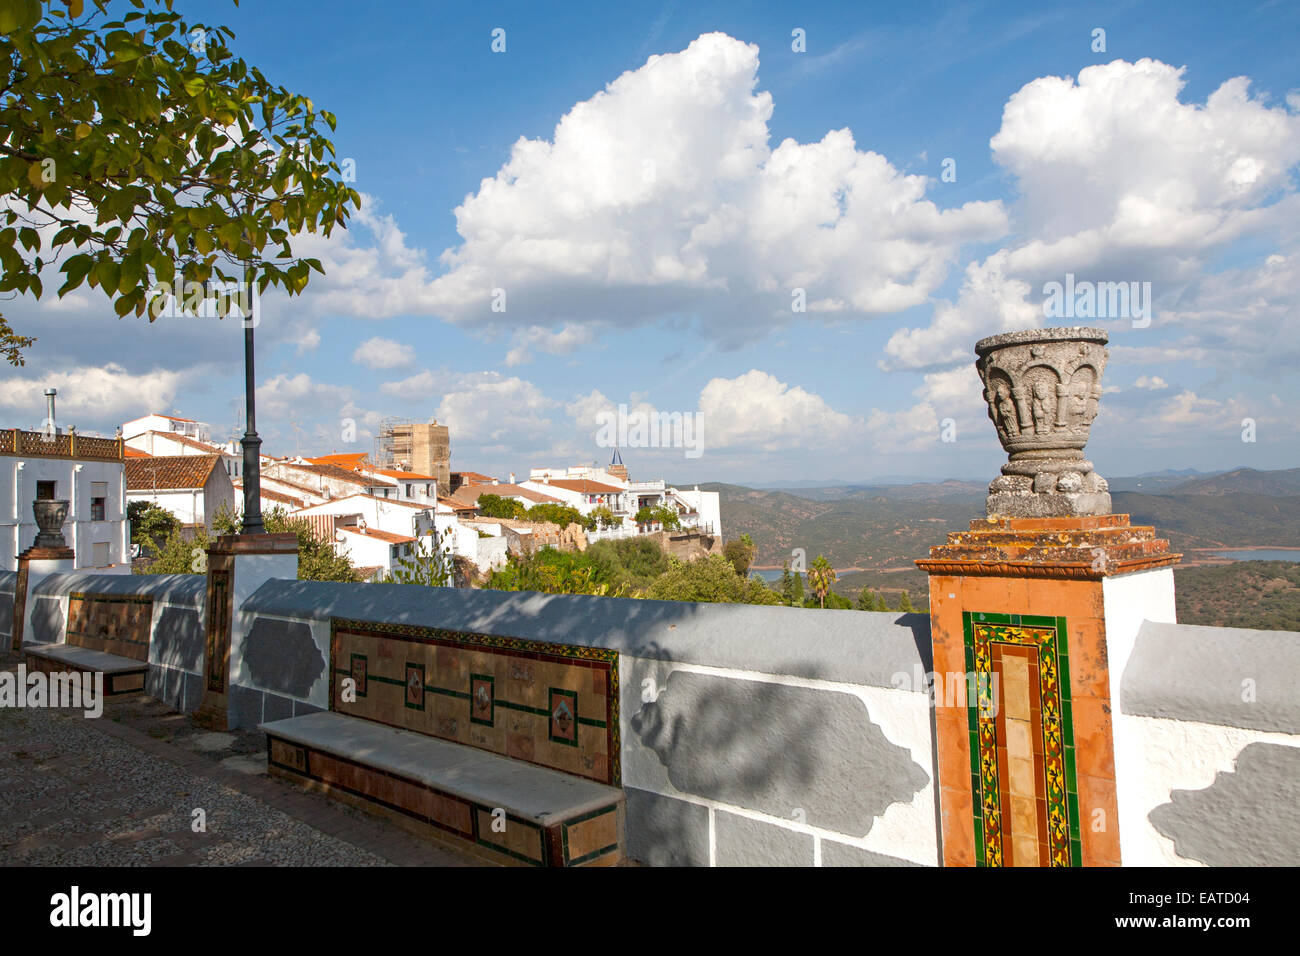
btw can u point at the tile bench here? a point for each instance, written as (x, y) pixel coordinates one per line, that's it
(104, 632)
(510, 810)
(122, 675)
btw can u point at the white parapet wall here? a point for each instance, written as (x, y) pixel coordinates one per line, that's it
(1208, 747)
(749, 735)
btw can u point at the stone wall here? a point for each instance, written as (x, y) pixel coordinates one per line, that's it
(749, 735)
(1207, 747)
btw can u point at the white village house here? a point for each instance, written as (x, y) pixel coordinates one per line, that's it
(195, 488)
(156, 434)
(87, 473)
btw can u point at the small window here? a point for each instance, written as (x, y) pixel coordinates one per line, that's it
(45, 491)
(100, 555)
(98, 499)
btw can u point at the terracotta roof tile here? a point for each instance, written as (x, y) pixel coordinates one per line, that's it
(204, 446)
(167, 472)
(584, 485)
(350, 460)
(376, 533)
(405, 475)
(271, 495)
(336, 472)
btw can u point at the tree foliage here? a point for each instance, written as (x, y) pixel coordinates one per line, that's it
(432, 565)
(712, 578)
(549, 571)
(151, 525)
(820, 578)
(740, 552)
(317, 559)
(562, 515)
(142, 157)
(495, 506)
(628, 564)
(665, 515)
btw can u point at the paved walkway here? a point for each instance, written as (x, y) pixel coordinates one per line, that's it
(123, 790)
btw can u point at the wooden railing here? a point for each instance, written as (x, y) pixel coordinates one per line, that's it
(23, 444)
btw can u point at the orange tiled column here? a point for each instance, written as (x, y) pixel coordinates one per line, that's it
(1023, 715)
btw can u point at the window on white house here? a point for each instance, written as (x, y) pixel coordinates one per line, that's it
(100, 556)
(408, 491)
(45, 491)
(98, 500)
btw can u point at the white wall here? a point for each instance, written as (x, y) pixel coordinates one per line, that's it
(904, 830)
(1129, 600)
(73, 481)
(391, 516)
(187, 505)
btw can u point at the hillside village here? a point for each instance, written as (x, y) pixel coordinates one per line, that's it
(403, 500)
(389, 647)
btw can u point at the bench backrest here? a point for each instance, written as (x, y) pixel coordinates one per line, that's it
(113, 623)
(554, 705)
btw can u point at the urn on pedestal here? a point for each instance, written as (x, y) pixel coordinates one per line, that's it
(50, 516)
(1043, 387)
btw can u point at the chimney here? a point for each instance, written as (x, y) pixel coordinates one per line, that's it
(50, 428)
(512, 477)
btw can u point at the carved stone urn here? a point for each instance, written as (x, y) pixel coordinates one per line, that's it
(1043, 387)
(50, 516)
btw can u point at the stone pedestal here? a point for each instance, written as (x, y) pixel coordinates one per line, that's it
(34, 565)
(237, 566)
(1022, 613)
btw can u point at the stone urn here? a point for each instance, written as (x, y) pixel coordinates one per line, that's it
(50, 516)
(1043, 388)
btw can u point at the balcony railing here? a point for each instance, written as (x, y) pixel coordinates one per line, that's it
(22, 444)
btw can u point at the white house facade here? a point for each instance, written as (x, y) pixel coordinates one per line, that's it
(87, 473)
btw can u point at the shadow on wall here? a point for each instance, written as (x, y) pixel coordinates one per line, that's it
(790, 752)
(1249, 816)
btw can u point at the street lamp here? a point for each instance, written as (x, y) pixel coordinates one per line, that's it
(252, 444)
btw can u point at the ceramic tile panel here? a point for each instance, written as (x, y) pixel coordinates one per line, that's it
(113, 623)
(554, 705)
(1023, 777)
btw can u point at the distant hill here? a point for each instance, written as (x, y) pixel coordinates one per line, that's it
(920, 490)
(1223, 521)
(1259, 594)
(1156, 482)
(1243, 481)
(889, 528)
(867, 531)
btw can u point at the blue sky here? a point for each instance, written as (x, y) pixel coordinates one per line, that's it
(666, 283)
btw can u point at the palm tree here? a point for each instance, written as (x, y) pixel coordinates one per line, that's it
(820, 577)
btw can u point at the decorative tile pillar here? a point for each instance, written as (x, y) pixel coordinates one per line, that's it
(238, 564)
(1018, 612)
(1023, 694)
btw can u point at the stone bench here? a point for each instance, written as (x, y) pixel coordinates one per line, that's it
(122, 675)
(510, 810)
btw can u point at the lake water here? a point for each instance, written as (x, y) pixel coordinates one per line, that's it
(1257, 554)
(774, 574)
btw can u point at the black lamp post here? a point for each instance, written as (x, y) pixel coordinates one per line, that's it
(251, 443)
